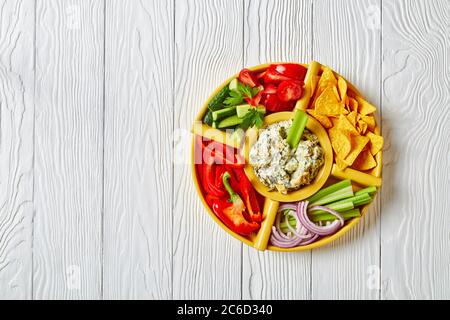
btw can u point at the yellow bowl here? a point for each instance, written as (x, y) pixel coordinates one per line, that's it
(249, 240)
(304, 192)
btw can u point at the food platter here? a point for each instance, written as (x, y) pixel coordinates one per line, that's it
(346, 165)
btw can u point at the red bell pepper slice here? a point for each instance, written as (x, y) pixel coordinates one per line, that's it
(208, 176)
(249, 196)
(208, 181)
(210, 199)
(231, 158)
(232, 215)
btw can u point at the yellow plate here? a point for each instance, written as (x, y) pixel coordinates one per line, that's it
(304, 192)
(250, 239)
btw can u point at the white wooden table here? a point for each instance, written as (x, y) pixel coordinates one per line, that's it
(96, 197)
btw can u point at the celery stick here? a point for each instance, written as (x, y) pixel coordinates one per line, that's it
(357, 200)
(328, 190)
(347, 215)
(362, 199)
(329, 217)
(370, 190)
(346, 192)
(336, 206)
(296, 131)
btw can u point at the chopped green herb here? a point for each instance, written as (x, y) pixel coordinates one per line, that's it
(234, 98)
(242, 91)
(252, 118)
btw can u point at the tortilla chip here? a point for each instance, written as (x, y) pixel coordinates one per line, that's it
(351, 93)
(326, 80)
(358, 144)
(376, 142)
(361, 126)
(370, 120)
(351, 117)
(352, 104)
(340, 164)
(341, 142)
(327, 104)
(345, 125)
(365, 161)
(365, 108)
(342, 86)
(324, 120)
(334, 121)
(336, 93)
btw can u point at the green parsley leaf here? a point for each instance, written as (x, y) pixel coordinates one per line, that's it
(237, 96)
(234, 99)
(252, 118)
(247, 91)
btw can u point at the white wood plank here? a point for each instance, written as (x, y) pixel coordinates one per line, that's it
(138, 150)
(347, 38)
(208, 49)
(416, 99)
(68, 159)
(276, 31)
(16, 147)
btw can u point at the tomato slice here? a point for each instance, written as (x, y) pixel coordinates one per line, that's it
(273, 76)
(274, 104)
(247, 76)
(260, 75)
(270, 89)
(290, 90)
(290, 70)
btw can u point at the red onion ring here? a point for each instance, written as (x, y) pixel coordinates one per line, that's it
(312, 227)
(334, 213)
(306, 231)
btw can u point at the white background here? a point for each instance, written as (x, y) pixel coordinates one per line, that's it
(92, 203)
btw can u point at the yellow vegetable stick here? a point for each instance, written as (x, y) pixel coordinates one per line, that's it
(313, 70)
(269, 215)
(356, 176)
(231, 139)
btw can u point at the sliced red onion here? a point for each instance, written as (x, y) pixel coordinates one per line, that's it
(277, 240)
(285, 237)
(314, 238)
(334, 213)
(306, 231)
(312, 227)
(289, 206)
(299, 227)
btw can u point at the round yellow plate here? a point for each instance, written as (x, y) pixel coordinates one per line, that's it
(250, 240)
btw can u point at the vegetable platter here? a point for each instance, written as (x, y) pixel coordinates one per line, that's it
(287, 156)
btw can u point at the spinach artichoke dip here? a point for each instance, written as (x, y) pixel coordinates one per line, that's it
(277, 166)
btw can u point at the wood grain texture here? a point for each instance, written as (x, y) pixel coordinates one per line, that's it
(16, 147)
(416, 79)
(138, 150)
(68, 159)
(276, 31)
(83, 219)
(208, 49)
(347, 38)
